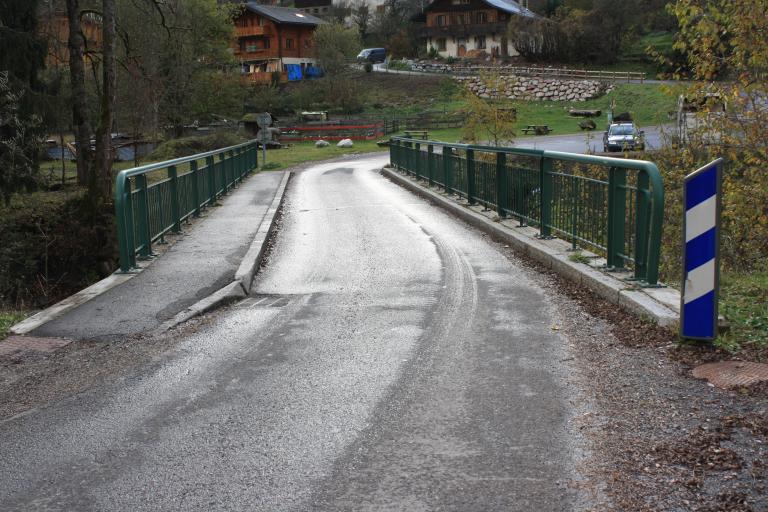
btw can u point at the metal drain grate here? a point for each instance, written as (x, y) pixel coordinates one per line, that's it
(730, 374)
(263, 301)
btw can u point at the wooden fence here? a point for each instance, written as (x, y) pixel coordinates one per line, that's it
(568, 74)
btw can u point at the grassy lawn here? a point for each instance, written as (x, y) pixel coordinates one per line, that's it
(299, 153)
(634, 56)
(744, 302)
(7, 319)
(649, 105)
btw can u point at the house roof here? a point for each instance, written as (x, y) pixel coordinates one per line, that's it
(509, 6)
(512, 7)
(285, 15)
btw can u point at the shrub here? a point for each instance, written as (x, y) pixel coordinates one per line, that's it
(53, 245)
(187, 146)
(368, 67)
(744, 221)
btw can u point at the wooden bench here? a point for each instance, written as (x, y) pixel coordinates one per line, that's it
(537, 129)
(417, 134)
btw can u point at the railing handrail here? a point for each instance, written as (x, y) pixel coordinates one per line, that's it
(143, 169)
(655, 186)
(476, 147)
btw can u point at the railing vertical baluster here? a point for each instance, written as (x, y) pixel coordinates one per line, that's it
(144, 228)
(210, 164)
(124, 220)
(447, 167)
(617, 199)
(430, 164)
(175, 211)
(501, 184)
(642, 214)
(223, 170)
(545, 192)
(417, 160)
(195, 186)
(576, 199)
(471, 176)
(409, 163)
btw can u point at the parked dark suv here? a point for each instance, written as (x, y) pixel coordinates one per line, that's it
(373, 55)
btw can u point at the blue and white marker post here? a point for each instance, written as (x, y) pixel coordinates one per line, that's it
(701, 253)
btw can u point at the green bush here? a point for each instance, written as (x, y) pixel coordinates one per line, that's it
(8, 319)
(54, 244)
(187, 146)
(368, 67)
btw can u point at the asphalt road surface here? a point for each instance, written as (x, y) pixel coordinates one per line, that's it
(392, 358)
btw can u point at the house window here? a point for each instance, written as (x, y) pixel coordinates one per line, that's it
(460, 19)
(441, 44)
(307, 43)
(441, 20)
(254, 45)
(480, 42)
(289, 44)
(482, 17)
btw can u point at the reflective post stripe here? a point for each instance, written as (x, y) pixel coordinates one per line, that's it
(701, 226)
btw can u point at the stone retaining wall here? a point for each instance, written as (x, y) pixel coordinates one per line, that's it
(537, 89)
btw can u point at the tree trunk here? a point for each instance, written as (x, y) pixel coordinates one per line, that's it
(109, 79)
(79, 101)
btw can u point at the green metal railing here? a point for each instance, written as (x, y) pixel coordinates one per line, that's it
(611, 206)
(153, 200)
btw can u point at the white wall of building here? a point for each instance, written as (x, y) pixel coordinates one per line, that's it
(452, 45)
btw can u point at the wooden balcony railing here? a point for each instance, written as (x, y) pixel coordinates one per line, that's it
(253, 31)
(264, 77)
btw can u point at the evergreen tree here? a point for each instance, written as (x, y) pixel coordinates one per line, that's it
(22, 53)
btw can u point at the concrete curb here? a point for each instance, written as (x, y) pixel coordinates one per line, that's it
(659, 305)
(230, 293)
(241, 286)
(255, 254)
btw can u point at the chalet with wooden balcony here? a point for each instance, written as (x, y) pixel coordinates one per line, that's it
(471, 28)
(271, 38)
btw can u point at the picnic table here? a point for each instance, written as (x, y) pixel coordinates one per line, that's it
(537, 129)
(417, 134)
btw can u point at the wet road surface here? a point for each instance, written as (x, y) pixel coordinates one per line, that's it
(391, 358)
